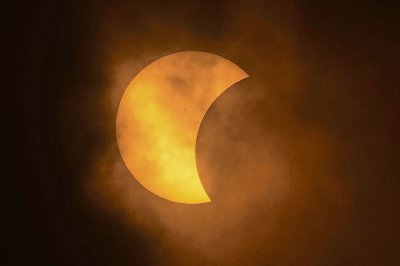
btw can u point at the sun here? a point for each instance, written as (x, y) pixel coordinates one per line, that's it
(159, 117)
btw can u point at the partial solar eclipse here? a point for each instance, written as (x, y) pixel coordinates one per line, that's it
(159, 117)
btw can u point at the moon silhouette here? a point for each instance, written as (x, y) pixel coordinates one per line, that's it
(159, 117)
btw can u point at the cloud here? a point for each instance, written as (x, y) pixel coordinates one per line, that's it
(276, 151)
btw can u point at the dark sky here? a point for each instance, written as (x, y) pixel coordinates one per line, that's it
(305, 164)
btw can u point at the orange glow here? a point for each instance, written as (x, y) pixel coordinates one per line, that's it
(159, 117)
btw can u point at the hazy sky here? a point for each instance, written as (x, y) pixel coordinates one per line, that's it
(300, 159)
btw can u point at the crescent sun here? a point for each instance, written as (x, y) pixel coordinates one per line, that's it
(159, 117)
